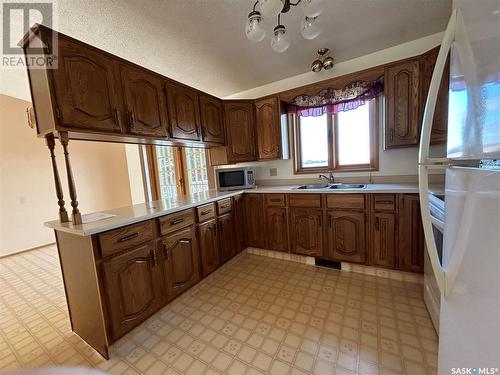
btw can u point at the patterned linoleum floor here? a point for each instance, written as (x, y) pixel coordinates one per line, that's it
(254, 315)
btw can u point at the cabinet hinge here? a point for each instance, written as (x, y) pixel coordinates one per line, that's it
(58, 113)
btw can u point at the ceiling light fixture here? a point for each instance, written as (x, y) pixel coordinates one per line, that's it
(323, 60)
(310, 29)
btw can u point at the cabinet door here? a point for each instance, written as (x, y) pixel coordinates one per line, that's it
(402, 99)
(276, 229)
(411, 236)
(240, 131)
(209, 246)
(212, 119)
(306, 232)
(182, 268)
(183, 112)
(146, 111)
(254, 208)
(239, 223)
(346, 236)
(226, 237)
(86, 89)
(133, 288)
(267, 119)
(440, 122)
(384, 238)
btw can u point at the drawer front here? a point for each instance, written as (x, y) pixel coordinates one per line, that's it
(353, 201)
(304, 200)
(120, 239)
(384, 202)
(171, 223)
(277, 200)
(205, 212)
(224, 206)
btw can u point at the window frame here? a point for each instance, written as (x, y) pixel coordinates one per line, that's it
(332, 134)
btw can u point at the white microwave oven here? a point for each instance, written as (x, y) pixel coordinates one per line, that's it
(235, 178)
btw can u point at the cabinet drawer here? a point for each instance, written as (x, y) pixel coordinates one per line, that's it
(205, 212)
(171, 223)
(355, 201)
(277, 200)
(224, 206)
(304, 200)
(120, 239)
(384, 202)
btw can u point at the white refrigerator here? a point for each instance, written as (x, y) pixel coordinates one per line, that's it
(467, 271)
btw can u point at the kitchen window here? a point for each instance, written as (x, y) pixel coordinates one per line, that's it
(176, 171)
(344, 141)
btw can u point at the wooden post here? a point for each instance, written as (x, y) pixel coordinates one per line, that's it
(51, 144)
(76, 215)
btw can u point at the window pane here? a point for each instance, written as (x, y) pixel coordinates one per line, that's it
(166, 171)
(313, 141)
(196, 165)
(353, 136)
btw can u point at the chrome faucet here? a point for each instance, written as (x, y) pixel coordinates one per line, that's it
(330, 179)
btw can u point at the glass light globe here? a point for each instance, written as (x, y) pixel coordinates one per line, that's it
(312, 8)
(280, 41)
(310, 28)
(254, 29)
(270, 8)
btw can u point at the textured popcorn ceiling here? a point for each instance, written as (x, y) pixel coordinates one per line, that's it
(202, 42)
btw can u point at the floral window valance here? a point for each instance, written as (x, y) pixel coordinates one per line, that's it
(336, 100)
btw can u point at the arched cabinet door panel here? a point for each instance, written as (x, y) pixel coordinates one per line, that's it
(209, 246)
(86, 89)
(306, 231)
(227, 245)
(240, 131)
(212, 119)
(276, 228)
(346, 236)
(183, 112)
(144, 102)
(267, 119)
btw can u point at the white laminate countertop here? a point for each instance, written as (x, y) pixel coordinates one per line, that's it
(145, 211)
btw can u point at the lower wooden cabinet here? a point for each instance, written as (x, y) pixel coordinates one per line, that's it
(306, 231)
(209, 246)
(225, 226)
(254, 210)
(180, 261)
(276, 228)
(346, 237)
(133, 284)
(384, 239)
(410, 256)
(239, 223)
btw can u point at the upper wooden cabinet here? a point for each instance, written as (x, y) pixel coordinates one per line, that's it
(306, 231)
(268, 125)
(411, 239)
(183, 112)
(440, 121)
(240, 131)
(402, 103)
(145, 103)
(346, 236)
(86, 89)
(212, 119)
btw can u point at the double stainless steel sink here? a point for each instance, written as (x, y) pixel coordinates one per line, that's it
(330, 187)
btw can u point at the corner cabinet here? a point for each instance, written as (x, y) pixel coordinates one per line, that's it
(212, 119)
(145, 102)
(183, 112)
(402, 100)
(240, 131)
(268, 126)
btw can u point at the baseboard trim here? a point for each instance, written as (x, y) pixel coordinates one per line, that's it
(17, 252)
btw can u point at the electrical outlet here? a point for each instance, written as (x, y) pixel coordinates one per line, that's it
(273, 171)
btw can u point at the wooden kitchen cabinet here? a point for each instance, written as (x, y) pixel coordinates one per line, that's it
(240, 131)
(306, 231)
(209, 246)
(133, 288)
(384, 239)
(212, 119)
(239, 223)
(346, 237)
(268, 126)
(180, 261)
(183, 112)
(402, 104)
(440, 121)
(276, 228)
(145, 102)
(411, 241)
(87, 92)
(225, 232)
(254, 209)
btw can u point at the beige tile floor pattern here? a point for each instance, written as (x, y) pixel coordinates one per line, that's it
(254, 315)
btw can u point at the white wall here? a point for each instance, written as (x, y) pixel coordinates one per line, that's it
(135, 173)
